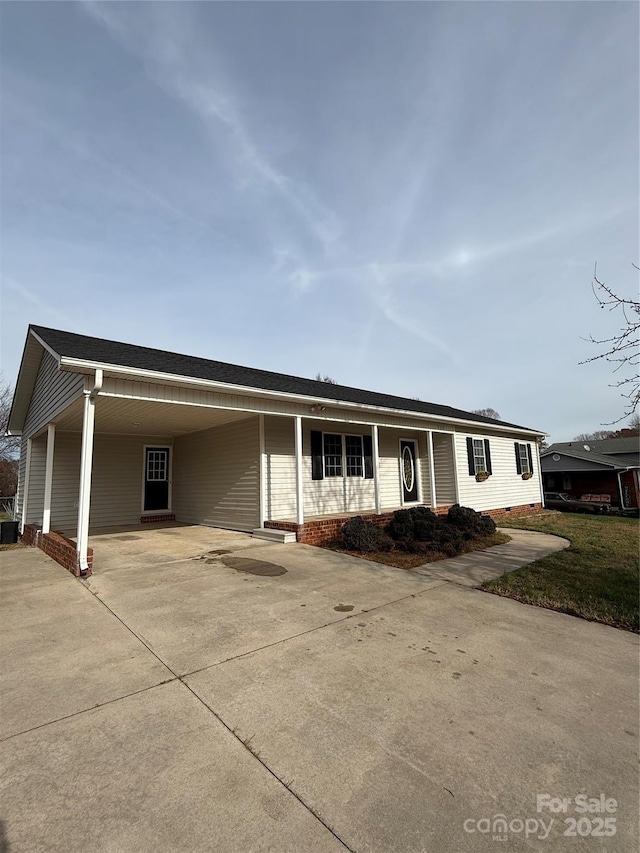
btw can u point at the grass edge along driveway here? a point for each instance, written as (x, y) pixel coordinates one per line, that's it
(596, 578)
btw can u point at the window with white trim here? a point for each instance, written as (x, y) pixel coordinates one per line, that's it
(479, 458)
(332, 446)
(354, 456)
(524, 459)
(157, 465)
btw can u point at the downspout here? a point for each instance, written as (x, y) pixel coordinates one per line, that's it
(540, 482)
(90, 398)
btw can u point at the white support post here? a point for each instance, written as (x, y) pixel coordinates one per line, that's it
(455, 466)
(48, 478)
(263, 473)
(299, 491)
(25, 488)
(86, 459)
(540, 483)
(376, 466)
(432, 472)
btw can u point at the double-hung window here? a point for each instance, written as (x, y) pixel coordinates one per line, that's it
(354, 460)
(524, 460)
(338, 455)
(479, 458)
(332, 446)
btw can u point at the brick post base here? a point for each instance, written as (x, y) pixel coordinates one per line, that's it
(58, 547)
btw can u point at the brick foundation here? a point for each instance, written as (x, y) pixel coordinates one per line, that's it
(58, 547)
(155, 519)
(326, 529)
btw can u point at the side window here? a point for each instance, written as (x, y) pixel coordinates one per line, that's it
(478, 455)
(354, 461)
(524, 459)
(332, 455)
(479, 462)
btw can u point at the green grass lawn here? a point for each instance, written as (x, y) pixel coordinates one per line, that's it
(596, 578)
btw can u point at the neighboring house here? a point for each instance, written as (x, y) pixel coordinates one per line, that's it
(115, 434)
(607, 466)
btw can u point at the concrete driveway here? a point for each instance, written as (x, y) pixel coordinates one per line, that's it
(176, 701)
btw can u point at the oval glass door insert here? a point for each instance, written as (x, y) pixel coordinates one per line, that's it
(407, 468)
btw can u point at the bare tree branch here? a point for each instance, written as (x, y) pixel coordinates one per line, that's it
(622, 349)
(9, 444)
(487, 413)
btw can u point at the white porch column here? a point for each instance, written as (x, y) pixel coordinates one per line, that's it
(48, 478)
(455, 466)
(299, 492)
(375, 446)
(25, 488)
(263, 474)
(86, 459)
(432, 472)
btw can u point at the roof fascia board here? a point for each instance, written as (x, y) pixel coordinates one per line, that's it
(18, 388)
(46, 346)
(139, 373)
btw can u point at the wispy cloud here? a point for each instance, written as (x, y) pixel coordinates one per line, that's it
(25, 293)
(166, 56)
(82, 147)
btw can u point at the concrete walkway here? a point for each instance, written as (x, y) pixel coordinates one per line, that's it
(474, 569)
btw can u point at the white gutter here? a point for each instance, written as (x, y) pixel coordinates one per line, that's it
(228, 388)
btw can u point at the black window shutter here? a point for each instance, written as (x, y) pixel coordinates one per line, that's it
(472, 464)
(367, 446)
(518, 462)
(487, 455)
(316, 455)
(530, 458)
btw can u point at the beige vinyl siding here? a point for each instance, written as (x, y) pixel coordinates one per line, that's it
(35, 496)
(334, 494)
(54, 390)
(216, 476)
(22, 467)
(423, 467)
(128, 389)
(443, 463)
(280, 466)
(116, 479)
(505, 487)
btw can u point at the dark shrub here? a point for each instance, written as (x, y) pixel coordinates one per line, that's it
(363, 536)
(469, 522)
(426, 530)
(449, 540)
(423, 513)
(464, 519)
(402, 527)
(486, 526)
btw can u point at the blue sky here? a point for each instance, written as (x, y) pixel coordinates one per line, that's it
(408, 197)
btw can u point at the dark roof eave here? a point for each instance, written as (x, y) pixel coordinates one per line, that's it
(78, 350)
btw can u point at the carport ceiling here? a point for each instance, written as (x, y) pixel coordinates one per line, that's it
(143, 417)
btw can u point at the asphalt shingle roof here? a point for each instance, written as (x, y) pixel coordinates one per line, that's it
(578, 450)
(144, 358)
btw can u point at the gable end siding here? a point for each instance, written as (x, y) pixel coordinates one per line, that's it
(53, 391)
